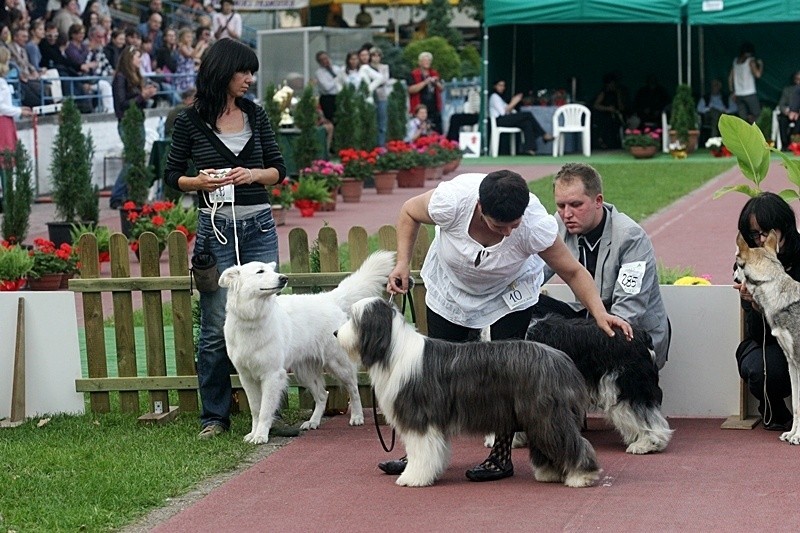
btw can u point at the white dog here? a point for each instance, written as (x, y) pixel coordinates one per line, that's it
(267, 334)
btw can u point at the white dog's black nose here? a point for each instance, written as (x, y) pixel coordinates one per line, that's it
(283, 280)
(336, 333)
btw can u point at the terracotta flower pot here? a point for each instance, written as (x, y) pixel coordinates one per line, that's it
(330, 205)
(279, 215)
(385, 181)
(65, 280)
(434, 173)
(47, 282)
(351, 190)
(411, 177)
(643, 152)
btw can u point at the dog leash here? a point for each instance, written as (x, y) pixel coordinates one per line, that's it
(406, 298)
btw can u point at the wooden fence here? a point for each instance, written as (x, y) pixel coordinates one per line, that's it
(153, 379)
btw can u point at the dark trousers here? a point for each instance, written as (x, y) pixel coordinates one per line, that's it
(530, 127)
(751, 357)
(512, 326)
(457, 120)
(786, 130)
(327, 102)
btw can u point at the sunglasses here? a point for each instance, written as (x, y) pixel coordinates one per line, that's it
(756, 235)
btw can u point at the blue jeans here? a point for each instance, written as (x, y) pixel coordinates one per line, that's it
(258, 241)
(382, 111)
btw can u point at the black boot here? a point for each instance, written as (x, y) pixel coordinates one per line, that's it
(498, 465)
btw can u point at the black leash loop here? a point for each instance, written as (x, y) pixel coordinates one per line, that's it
(406, 298)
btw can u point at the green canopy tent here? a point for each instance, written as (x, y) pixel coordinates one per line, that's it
(571, 44)
(717, 29)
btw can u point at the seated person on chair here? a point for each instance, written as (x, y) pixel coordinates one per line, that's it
(714, 105)
(505, 116)
(787, 127)
(418, 125)
(468, 116)
(614, 249)
(608, 114)
(650, 101)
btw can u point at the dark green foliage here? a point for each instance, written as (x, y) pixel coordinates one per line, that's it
(440, 22)
(367, 119)
(472, 8)
(684, 116)
(272, 108)
(138, 175)
(397, 113)
(470, 62)
(306, 146)
(17, 193)
(445, 57)
(393, 57)
(764, 122)
(71, 167)
(345, 118)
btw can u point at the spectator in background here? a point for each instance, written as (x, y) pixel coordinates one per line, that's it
(187, 55)
(91, 14)
(133, 37)
(650, 101)
(67, 16)
(425, 87)
(381, 92)
(185, 15)
(107, 23)
(226, 22)
(115, 47)
(129, 88)
(202, 38)
(146, 64)
(329, 83)
(363, 53)
(30, 84)
(53, 51)
(166, 63)
(155, 6)
(418, 125)
(36, 35)
(102, 67)
(608, 114)
(505, 114)
(468, 117)
(354, 73)
(787, 127)
(152, 29)
(745, 71)
(714, 105)
(8, 111)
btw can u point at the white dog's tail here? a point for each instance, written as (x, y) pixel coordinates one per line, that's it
(369, 280)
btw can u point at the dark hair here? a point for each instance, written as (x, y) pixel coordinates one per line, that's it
(592, 182)
(225, 58)
(504, 195)
(772, 212)
(747, 48)
(320, 54)
(131, 32)
(347, 61)
(75, 29)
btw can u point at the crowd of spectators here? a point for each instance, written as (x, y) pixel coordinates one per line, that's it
(54, 41)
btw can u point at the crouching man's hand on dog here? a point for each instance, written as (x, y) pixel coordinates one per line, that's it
(608, 322)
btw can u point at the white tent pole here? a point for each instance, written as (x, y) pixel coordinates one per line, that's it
(689, 55)
(680, 55)
(484, 89)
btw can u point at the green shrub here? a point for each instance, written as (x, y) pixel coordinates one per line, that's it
(470, 62)
(17, 193)
(138, 175)
(684, 115)
(71, 168)
(397, 111)
(307, 146)
(445, 57)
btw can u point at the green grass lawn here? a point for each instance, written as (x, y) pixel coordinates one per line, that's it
(100, 472)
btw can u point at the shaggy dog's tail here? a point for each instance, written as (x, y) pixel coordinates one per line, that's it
(369, 280)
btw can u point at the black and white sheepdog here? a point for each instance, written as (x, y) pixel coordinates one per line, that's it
(621, 377)
(430, 389)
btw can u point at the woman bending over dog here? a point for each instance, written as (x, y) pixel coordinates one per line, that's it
(484, 268)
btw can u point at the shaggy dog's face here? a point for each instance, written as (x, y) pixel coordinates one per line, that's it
(366, 337)
(255, 280)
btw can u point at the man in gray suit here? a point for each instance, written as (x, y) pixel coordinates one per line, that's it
(614, 249)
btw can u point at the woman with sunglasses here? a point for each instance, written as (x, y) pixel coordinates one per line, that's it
(759, 348)
(485, 268)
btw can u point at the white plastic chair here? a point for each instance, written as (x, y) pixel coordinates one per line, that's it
(776, 134)
(572, 118)
(494, 141)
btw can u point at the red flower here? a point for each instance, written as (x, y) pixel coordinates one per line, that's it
(127, 206)
(183, 230)
(158, 220)
(132, 216)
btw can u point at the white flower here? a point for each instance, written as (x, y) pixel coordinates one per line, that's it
(676, 146)
(714, 142)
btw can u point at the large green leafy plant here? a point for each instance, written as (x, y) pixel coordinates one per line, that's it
(71, 168)
(747, 143)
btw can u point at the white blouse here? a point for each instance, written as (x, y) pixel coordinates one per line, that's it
(7, 108)
(469, 295)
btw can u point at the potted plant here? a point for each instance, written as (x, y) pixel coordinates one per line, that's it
(410, 164)
(397, 113)
(308, 193)
(347, 123)
(281, 198)
(367, 132)
(764, 123)
(717, 148)
(683, 121)
(138, 175)
(18, 193)
(433, 151)
(307, 146)
(50, 263)
(161, 218)
(102, 235)
(358, 166)
(15, 264)
(71, 173)
(642, 144)
(331, 174)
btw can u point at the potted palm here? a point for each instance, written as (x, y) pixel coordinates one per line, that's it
(15, 264)
(71, 172)
(683, 121)
(18, 193)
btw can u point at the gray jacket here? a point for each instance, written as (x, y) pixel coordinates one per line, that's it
(633, 294)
